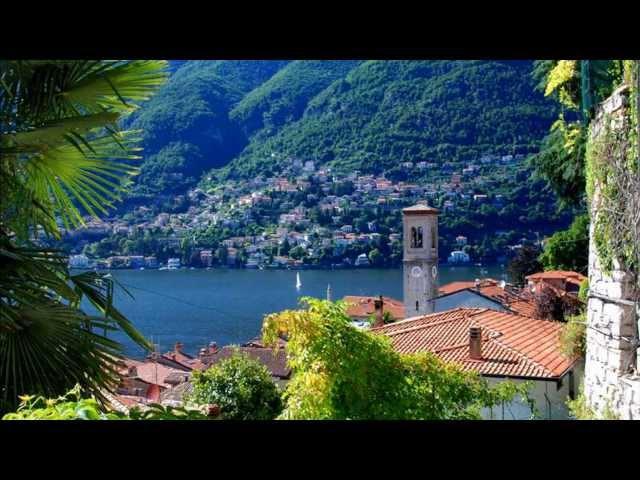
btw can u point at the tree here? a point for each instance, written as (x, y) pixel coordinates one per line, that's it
(298, 252)
(340, 372)
(568, 249)
(548, 305)
(62, 156)
(561, 159)
(524, 263)
(222, 254)
(240, 386)
(376, 258)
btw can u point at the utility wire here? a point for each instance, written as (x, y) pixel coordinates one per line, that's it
(186, 302)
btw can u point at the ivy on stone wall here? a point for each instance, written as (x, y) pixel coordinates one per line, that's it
(612, 164)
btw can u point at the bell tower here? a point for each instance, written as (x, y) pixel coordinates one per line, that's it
(420, 259)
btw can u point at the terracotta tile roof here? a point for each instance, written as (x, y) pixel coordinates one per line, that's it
(455, 287)
(557, 274)
(421, 210)
(363, 307)
(512, 299)
(150, 372)
(276, 362)
(512, 345)
(177, 393)
(183, 360)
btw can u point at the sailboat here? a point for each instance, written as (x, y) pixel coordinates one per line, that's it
(298, 282)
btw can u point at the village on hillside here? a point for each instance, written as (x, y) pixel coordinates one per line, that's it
(312, 217)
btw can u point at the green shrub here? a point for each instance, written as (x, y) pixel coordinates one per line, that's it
(573, 338)
(241, 387)
(71, 406)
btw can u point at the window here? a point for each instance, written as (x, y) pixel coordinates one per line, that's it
(417, 306)
(416, 237)
(434, 237)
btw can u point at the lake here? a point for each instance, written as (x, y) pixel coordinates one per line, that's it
(196, 307)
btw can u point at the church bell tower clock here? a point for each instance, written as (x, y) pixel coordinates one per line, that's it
(420, 259)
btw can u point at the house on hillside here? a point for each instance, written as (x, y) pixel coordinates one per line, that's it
(499, 346)
(564, 282)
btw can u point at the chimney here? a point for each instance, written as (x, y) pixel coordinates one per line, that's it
(177, 348)
(477, 284)
(378, 305)
(475, 343)
(213, 348)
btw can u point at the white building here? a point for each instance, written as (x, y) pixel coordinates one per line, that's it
(458, 256)
(173, 263)
(78, 261)
(362, 260)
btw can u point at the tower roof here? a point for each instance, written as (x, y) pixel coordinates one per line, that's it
(420, 209)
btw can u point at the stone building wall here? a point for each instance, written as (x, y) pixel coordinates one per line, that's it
(612, 365)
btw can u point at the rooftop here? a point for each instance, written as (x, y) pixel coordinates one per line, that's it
(275, 361)
(363, 307)
(512, 345)
(557, 274)
(508, 297)
(420, 209)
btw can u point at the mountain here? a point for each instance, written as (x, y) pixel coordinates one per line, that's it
(284, 97)
(383, 113)
(186, 124)
(238, 119)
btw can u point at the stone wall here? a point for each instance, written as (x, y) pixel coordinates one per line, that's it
(612, 366)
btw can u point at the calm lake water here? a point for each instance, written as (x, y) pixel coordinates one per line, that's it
(196, 307)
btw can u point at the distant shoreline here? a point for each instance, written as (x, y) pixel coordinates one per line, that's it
(306, 267)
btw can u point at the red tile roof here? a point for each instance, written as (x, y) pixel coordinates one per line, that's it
(276, 362)
(512, 299)
(183, 360)
(421, 209)
(150, 372)
(455, 287)
(557, 274)
(363, 307)
(512, 345)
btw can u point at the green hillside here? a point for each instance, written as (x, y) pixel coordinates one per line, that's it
(383, 113)
(186, 125)
(284, 97)
(238, 119)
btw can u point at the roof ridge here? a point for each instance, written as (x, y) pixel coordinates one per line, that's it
(421, 317)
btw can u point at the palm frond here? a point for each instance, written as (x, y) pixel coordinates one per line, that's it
(46, 342)
(75, 181)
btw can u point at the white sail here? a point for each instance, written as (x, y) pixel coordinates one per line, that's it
(298, 282)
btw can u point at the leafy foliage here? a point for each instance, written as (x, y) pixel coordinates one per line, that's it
(340, 372)
(524, 263)
(613, 168)
(71, 406)
(561, 160)
(241, 387)
(580, 410)
(62, 156)
(573, 338)
(568, 249)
